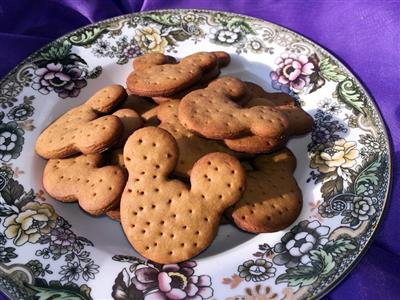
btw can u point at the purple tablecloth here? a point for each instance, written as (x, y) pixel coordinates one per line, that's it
(366, 36)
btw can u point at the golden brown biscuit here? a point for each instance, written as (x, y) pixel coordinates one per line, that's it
(83, 129)
(163, 219)
(272, 200)
(85, 179)
(213, 113)
(153, 75)
(223, 60)
(299, 121)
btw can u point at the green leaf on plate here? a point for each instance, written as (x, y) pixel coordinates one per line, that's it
(322, 261)
(54, 53)
(299, 276)
(350, 94)
(330, 71)
(221, 19)
(239, 23)
(164, 19)
(87, 37)
(339, 246)
(367, 176)
(48, 293)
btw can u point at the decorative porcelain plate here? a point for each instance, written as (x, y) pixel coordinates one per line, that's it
(51, 250)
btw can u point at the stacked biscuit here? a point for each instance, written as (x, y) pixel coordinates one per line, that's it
(184, 148)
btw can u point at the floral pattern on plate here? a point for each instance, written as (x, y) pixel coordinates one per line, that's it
(347, 170)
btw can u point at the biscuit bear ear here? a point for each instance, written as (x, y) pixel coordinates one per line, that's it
(104, 100)
(152, 59)
(223, 58)
(151, 151)
(231, 87)
(203, 60)
(219, 178)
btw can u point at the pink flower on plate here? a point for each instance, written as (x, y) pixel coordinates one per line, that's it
(174, 281)
(293, 71)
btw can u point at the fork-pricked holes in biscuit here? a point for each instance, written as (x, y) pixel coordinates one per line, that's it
(271, 206)
(84, 129)
(177, 206)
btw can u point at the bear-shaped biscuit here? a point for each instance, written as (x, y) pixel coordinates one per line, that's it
(163, 219)
(157, 75)
(213, 113)
(83, 129)
(272, 200)
(85, 179)
(223, 60)
(299, 121)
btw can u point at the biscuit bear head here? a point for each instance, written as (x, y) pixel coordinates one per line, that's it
(191, 146)
(299, 121)
(158, 75)
(272, 200)
(83, 129)
(163, 219)
(213, 112)
(85, 179)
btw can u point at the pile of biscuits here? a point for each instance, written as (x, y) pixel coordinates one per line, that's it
(183, 149)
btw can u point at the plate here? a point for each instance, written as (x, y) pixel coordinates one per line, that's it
(49, 249)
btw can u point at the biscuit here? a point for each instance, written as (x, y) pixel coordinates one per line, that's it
(155, 76)
(130, 120)
(83, 129)
(213, 113)
(272, 200)
(191, 146)
(223, 60)
(152, 59)
(299, 121)
(163, 219)
(85, 179)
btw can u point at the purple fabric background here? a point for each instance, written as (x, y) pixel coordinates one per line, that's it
(366, 36)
